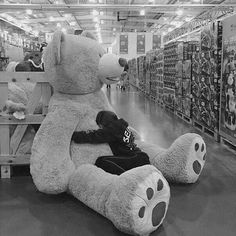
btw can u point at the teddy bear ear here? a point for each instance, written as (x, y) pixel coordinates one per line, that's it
(88, 35)
(53, 51)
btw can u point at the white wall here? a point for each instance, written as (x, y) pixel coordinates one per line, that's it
(132, 45)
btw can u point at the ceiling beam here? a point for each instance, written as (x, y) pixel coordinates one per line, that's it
(114, 7)
(89, 17)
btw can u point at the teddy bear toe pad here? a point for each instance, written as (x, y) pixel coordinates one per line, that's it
(150, 203)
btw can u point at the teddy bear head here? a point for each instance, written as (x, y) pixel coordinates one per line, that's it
(77, 64)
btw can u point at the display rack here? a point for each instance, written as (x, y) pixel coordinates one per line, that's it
(228, 85)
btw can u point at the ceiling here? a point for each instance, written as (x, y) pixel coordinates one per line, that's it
(106, 18)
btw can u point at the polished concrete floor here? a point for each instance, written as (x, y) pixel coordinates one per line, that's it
(206, 208)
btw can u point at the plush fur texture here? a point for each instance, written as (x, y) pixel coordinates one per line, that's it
(136, 201)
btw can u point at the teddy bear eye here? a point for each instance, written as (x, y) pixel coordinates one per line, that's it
(100, 55)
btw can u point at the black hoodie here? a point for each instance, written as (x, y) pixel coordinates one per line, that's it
(117, 134)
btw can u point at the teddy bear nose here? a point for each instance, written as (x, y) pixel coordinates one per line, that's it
(122, 62)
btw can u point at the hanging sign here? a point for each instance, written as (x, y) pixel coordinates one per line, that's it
(229, 27)
(156, 41)
(140, 43)
(123, 44)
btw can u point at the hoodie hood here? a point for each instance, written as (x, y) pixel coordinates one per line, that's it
(106, 117)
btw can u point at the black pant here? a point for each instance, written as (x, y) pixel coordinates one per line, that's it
(119, 164)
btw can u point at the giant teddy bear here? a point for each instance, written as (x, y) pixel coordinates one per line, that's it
(136, 201)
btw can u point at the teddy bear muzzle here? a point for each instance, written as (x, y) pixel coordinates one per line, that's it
(110, 68)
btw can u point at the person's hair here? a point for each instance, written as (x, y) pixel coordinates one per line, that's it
(105, 117)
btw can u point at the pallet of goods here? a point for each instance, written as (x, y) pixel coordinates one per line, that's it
(149, 59)
(156, 76)
(206, 74)
(141, 62)
(172, 54)
(228, 88)
(133, 77)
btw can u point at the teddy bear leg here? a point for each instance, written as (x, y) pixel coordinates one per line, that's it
(182, 162)
(136, 201)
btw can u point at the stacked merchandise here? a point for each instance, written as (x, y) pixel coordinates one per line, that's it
(189, 48)
(228, 89)
(206, 78)
(132, 71)
(156, 75)
(141, 62)
(173, 52)
(3, 58)
(149, 56)
(178, 86)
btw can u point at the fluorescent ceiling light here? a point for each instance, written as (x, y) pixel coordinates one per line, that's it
(142, 12)
(179, 12)
(95, 19)
(95, 13)
(29, 11)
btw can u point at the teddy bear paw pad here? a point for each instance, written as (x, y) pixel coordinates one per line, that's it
(196, 159)
(150, 203)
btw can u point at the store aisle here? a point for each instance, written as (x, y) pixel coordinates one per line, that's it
(206, 208)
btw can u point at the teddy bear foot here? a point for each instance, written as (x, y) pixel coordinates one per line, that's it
(197, 153)
(150, 203)
(190, 150)
(149, 200)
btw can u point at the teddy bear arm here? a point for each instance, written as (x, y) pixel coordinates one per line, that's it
(51, 164)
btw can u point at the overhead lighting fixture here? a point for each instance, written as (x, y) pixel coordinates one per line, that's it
(29, 11)
(58, 24)
(92, 1)
(67, 15)
(95, 13)
(196, 0)
(188, 19)
(51, 18)
(179, 12)
(95, 19)
(114, 29)
(142, 12)
(73, 23)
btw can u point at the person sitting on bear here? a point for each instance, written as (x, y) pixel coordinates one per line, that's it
(117, 134)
